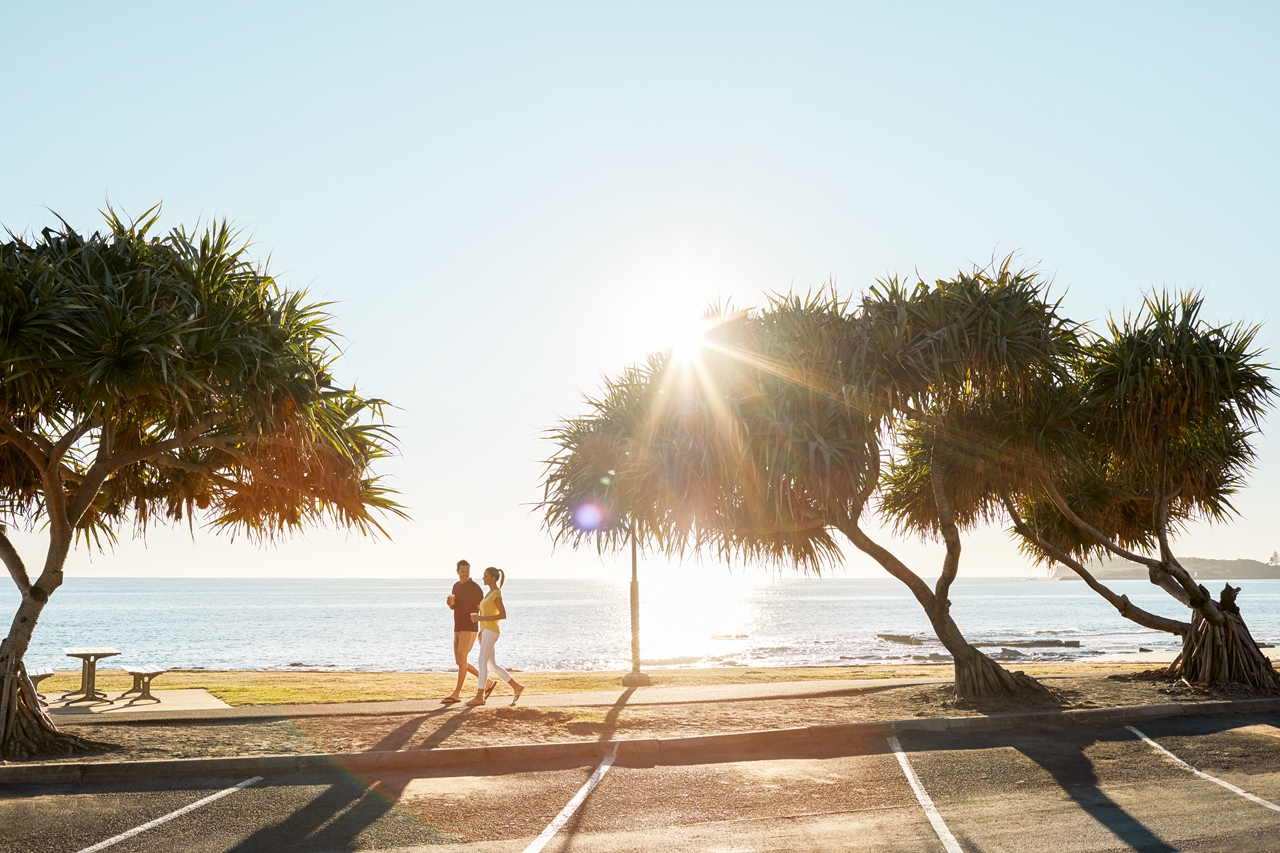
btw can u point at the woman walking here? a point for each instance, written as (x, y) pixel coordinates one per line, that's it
(491, 612)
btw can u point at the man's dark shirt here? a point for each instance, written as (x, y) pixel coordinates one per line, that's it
(466, 600)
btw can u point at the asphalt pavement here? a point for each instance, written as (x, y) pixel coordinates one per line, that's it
(1061, 789)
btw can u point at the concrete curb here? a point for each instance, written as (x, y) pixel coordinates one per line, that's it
(645, 749)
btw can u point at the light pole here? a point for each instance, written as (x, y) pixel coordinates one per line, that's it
(635, 678)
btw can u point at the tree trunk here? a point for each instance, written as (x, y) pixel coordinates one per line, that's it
(978, 676)
(1221, 655)
(26, 731)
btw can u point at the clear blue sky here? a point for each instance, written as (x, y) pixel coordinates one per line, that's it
(508, 202)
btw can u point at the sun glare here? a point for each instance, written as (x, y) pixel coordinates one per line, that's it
(686, 342)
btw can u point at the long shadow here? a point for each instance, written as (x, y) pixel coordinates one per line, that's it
(401, 735)
(380, 797)
(296, 829)
(338, 817)
(441, 734)
(611, 718)
(1061, 754)
(1075, 774)
(570, 829)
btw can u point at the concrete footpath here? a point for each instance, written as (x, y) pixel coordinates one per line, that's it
(639, 750)
(702, 694)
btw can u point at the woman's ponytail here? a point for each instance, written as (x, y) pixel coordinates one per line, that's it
(498, 575)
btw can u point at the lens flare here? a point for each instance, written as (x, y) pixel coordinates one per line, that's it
(588, 517)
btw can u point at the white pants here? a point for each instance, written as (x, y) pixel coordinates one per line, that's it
(487, 664)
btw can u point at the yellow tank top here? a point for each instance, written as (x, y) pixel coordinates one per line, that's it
(489, 607)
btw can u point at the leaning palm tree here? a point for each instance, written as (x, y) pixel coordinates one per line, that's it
(161, 379)
(761, 448)
(943, 355)
(1110, 453)
(1166, 407)
(1000, 357)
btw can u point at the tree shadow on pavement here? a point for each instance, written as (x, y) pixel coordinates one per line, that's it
(570, 828)
(1075, 774)
(615, 711)
(343, 817)
(1061, 754)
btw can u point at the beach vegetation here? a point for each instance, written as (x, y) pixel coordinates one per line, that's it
(771, 441)
(1163, 410)
(1129, 436)
(162, 378)
(941, 406)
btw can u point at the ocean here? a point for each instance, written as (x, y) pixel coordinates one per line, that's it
(348, 624)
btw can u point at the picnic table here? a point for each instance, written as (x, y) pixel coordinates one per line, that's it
(89, 658)
(37, 676)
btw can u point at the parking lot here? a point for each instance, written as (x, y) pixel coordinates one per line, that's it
(1073, 788)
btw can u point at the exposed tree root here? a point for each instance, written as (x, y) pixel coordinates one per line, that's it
(28, 731)
(979, 677)
(1219, 655)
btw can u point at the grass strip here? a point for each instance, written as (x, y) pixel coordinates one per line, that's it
(274, 687)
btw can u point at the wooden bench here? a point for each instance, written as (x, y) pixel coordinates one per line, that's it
(37, 676)
(142, 676)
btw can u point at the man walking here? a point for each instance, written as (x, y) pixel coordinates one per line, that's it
(464, 601)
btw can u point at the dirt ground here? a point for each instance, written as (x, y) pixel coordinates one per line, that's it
(496, 723)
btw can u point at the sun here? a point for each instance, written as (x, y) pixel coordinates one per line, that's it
(686, 341)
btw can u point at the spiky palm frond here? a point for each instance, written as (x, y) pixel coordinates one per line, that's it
(749, 451)
(984, 334)
(981, 363)
(1212, 461)
(184, 361)
(1162, 377)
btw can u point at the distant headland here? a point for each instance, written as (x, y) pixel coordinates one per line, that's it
(1201, 568)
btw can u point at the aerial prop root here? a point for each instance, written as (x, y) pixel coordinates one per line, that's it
(28, 732)
(1221, 655)
(979, 677)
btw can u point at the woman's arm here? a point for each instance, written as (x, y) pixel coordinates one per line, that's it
(501, 614)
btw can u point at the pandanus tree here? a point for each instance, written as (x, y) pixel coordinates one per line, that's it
(1137, 433)
(157, 379)
(938, 353)
(966, 456)
(1164, 407)
(761, 447)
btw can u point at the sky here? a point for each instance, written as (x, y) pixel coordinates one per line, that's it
(507, 203)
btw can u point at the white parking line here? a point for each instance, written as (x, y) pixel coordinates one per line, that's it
(103, 845)
(567, 812)
(1185, 766)
(926, 802)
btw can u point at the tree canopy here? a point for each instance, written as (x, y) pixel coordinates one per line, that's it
(170, 378)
